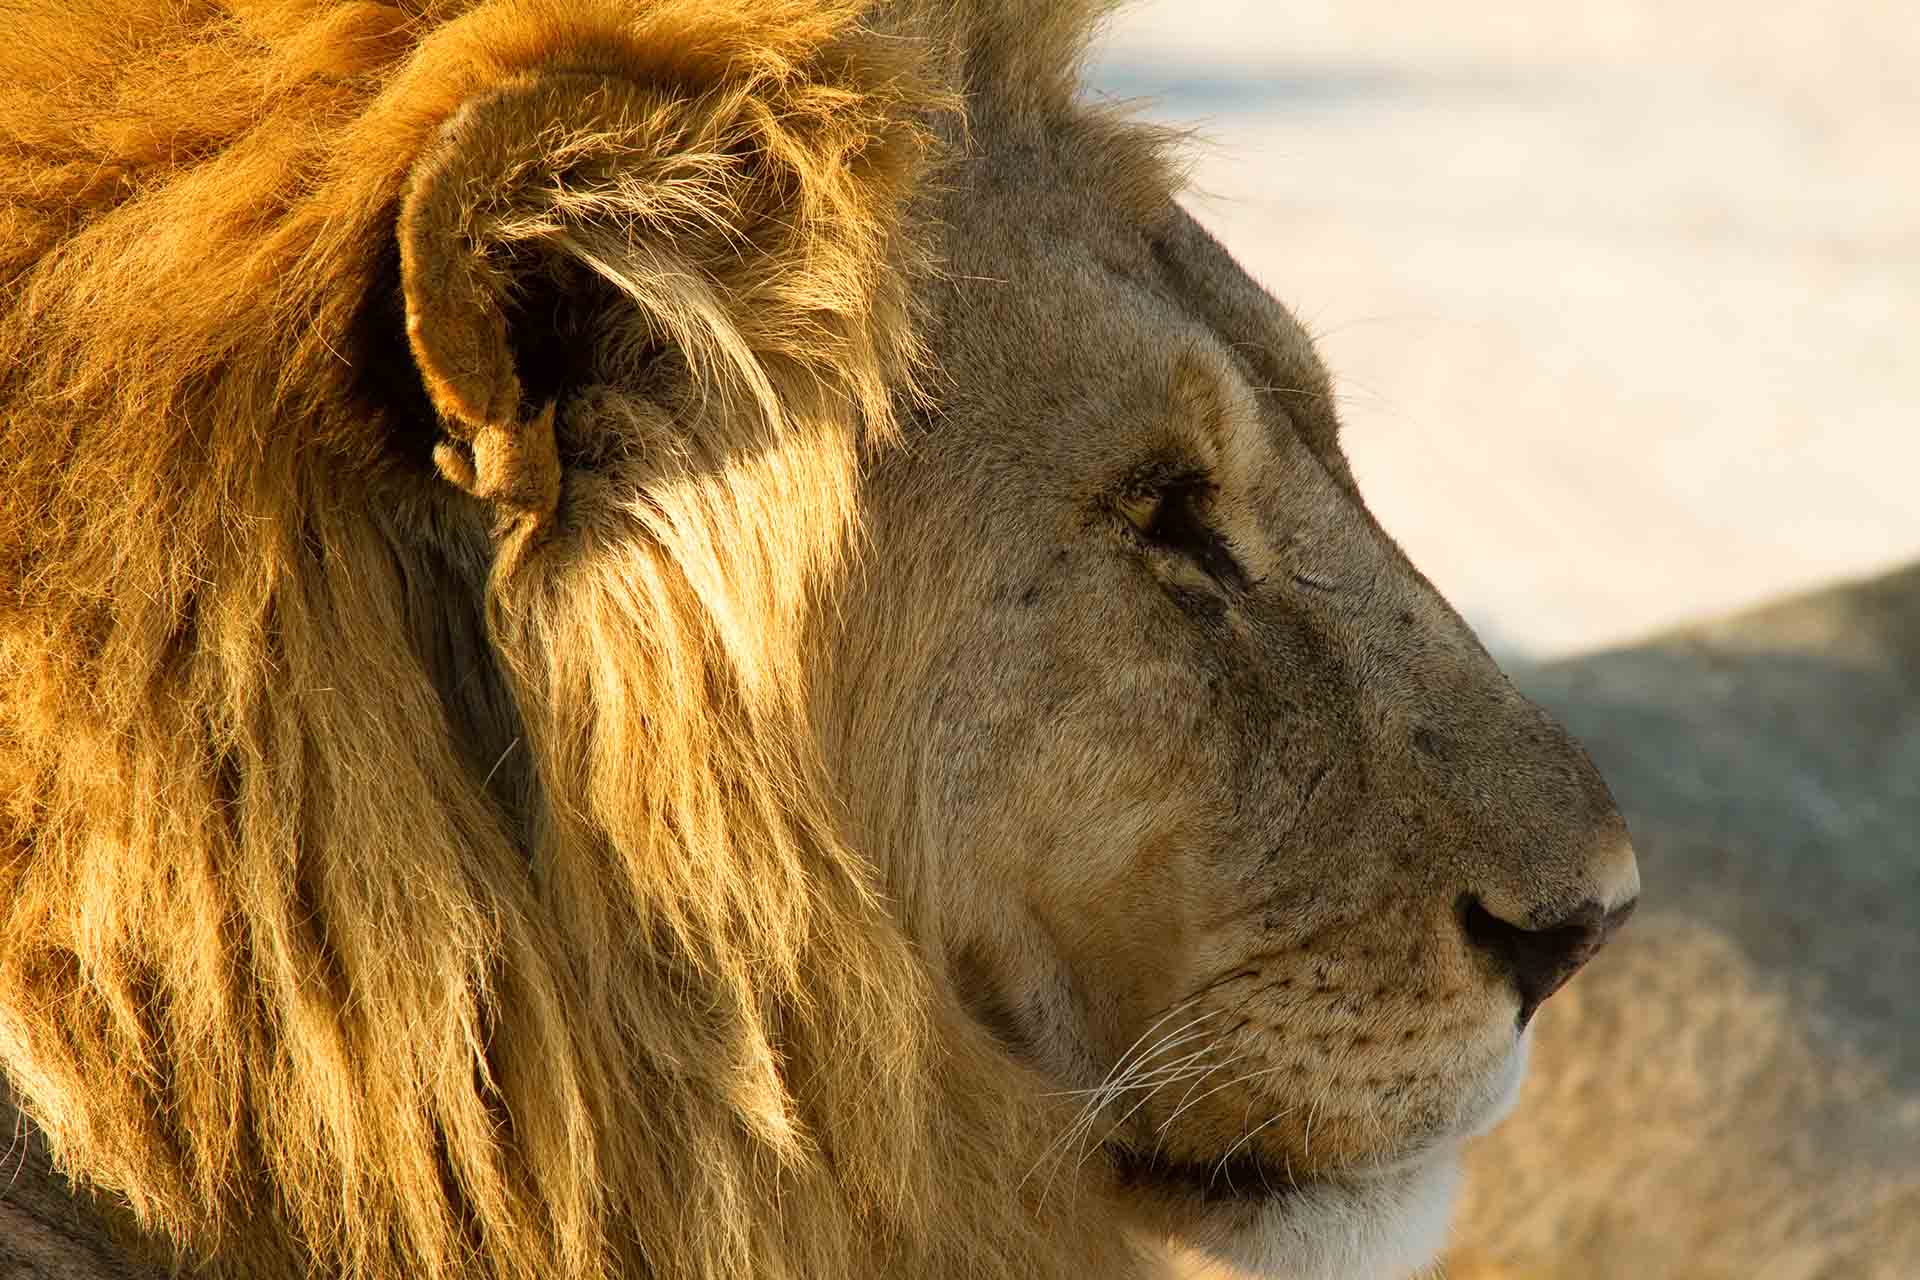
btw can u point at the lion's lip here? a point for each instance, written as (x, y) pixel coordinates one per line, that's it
(1238, 1178)
(1246, 1177)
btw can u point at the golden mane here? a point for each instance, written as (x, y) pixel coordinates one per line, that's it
(371, 905)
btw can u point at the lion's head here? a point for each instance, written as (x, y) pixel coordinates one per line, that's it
(673, 638)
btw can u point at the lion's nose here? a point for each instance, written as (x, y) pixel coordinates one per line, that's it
(1538, 961)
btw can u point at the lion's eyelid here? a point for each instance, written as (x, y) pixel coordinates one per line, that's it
(1169, 517)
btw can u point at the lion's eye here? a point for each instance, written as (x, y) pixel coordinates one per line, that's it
(1171, 515)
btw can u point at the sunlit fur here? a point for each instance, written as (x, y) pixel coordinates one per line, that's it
(362, 902)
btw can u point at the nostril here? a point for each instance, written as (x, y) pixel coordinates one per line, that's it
(1539, 961)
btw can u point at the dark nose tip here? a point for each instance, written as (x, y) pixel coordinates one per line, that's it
(1539, 961)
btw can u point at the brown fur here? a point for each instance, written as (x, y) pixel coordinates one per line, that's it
(514, 763)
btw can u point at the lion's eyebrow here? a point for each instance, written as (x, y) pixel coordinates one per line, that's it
(1215, 409)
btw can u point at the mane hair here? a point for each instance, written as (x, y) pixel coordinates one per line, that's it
(375, 904)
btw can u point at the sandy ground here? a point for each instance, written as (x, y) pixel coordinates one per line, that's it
(1620, 297)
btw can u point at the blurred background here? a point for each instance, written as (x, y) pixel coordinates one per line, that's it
(1620, 297)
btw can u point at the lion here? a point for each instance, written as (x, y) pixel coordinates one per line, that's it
(1769, 1121)
(679, 639)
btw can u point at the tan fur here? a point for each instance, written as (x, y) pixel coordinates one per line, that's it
(526, 748)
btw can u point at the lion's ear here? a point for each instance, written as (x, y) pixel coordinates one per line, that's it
(473, 242)
(732, 197)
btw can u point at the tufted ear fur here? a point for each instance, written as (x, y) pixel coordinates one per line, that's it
(720, 195)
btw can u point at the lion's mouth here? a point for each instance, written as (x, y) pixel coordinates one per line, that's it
(1238, 1178)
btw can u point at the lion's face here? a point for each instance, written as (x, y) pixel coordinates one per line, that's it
(1221, 819)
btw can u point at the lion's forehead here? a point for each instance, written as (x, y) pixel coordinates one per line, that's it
(1078, 335)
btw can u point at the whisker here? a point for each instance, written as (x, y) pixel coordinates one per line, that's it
(1197, 1075)
(1249, 1135)
(1145, 1069)
(1115, 1083)
(1242, 1079)
(1134, 1079)
(1154, 1026)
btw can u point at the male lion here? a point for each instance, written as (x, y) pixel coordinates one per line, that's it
(697, 639)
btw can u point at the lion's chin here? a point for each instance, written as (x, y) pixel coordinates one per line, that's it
(1385, 1224)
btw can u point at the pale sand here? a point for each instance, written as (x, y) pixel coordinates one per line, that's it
(1620, 300)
